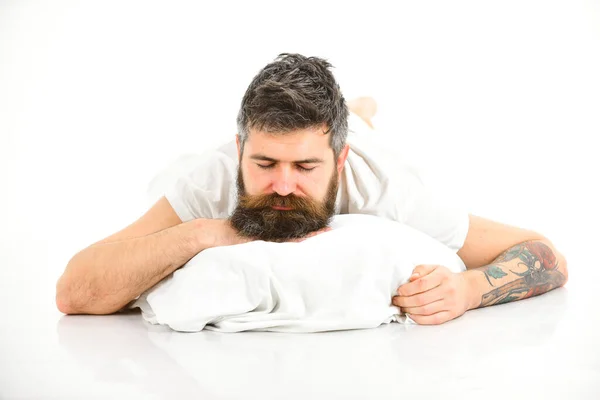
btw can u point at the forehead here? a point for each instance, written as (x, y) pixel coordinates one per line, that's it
(289, 146)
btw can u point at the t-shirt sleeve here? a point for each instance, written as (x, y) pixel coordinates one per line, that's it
(208, 191)
(432, 212)
(379, 182)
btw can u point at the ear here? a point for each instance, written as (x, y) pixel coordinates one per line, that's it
(342, 158)
(237, 143)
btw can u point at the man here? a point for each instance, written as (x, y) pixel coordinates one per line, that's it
(289, 162)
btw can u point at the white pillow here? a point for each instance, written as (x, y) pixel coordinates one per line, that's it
(342, 279)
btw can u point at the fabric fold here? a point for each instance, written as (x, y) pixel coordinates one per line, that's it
(342, 279)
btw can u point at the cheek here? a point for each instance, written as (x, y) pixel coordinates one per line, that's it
(257, 181)
(315, 184)
(310, 180)
(252, 180)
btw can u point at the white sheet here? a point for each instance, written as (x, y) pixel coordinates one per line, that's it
(342, 279)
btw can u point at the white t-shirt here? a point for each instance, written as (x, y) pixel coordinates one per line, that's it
(374, 181)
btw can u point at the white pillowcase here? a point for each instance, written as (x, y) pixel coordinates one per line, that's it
(342, 279)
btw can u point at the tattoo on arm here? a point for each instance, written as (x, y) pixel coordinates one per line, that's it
(541, 275)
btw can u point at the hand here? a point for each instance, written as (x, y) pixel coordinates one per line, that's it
(222, 233)
(312, 234)
(433, 295)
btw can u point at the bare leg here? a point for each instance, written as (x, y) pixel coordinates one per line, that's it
(364, 107)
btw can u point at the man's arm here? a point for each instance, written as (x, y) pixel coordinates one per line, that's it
(504, 263)
(104, 277)
(487, 239)
(528, 265)
(524, 270)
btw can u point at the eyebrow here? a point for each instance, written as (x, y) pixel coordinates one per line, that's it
(262, 157)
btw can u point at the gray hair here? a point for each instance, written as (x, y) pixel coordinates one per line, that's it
(294, 92)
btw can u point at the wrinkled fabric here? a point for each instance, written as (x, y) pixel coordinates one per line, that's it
(338, 280)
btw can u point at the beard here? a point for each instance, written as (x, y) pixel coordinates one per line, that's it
(255, 218)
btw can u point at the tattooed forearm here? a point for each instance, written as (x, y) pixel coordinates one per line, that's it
(525, 270)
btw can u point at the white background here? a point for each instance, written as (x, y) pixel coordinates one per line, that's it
(499, 102)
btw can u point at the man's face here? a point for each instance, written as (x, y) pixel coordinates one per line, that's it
(287, 184)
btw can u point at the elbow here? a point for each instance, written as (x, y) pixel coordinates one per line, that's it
(65, 299)
(563, 268)
(71, 301)
(558, 265)
(68, 304)
(64, 305)
(69, 289)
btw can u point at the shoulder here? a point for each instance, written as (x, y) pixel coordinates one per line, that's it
(376, 179)
(199, 185)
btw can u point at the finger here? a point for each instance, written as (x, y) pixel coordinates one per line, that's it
(298, 240)
(326, 229)
(435, 319)
(312, 234)
(419, 299)
(423, 269)
(427, 309)
(420, 285)
(315, 233)
(243, 239)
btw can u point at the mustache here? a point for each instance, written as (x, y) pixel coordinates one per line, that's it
(255, 217)
(266, 201)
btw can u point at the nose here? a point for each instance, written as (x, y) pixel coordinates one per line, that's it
(284, 181)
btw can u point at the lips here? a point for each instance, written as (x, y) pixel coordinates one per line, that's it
(281, 208)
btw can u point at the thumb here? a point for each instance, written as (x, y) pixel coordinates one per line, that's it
(421, 270)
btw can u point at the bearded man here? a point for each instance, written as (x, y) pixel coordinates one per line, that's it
(294, 164)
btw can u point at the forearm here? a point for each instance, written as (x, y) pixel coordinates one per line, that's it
(104, 277)
(525, 270)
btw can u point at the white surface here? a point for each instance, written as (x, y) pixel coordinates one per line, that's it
(545, 347)
(498, 101)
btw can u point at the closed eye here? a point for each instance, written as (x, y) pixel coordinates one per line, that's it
(300, 167)
(269, 166)
(303, 169)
